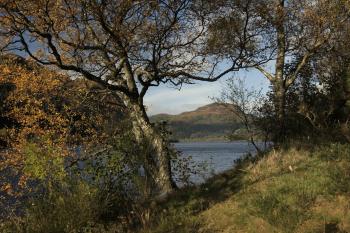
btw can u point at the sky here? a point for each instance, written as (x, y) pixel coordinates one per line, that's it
(167, 99)
(171, 100)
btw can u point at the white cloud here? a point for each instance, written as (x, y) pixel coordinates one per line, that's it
(165, 99)
(172, 101)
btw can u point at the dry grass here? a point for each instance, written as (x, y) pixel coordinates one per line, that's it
(288, 190)
(292, 190)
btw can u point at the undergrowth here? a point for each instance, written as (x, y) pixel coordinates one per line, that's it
(297, 189)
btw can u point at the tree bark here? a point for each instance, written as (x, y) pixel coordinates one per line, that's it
(280, 105)
(157, 159)
(344, 126)
(279, 82)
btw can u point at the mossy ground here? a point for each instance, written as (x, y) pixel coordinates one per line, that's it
(304, 189)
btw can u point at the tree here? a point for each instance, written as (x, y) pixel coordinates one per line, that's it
(124, 46)
(49, 110)
(279, 35)
(244, 104)
(326, 105)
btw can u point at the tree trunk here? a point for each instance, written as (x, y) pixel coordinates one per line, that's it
(280, 107)
(157, 159)
(345, 124)
(279, 84)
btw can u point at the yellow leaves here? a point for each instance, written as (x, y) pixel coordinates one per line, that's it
(50, 111)
(42, 162)
(7, 188)
(34, 106)
(5, 70)
(22, 181)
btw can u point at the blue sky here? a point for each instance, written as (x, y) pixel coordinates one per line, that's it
(167, 99)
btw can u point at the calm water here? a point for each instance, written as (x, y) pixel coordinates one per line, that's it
(219, 156)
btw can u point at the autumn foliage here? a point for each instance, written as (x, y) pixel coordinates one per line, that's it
(49, 110)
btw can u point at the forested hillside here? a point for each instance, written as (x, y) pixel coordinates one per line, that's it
(209, 122)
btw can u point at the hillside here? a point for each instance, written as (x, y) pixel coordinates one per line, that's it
(297, 190)
(209, 122)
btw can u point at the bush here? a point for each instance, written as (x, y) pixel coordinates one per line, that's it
(86, 191)
(64, 209)
(64, 198)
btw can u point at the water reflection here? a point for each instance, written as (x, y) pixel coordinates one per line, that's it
(219, 156)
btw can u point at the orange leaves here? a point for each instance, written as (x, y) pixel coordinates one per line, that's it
(32, 103)
(8, 189)
(35, 107)
(5, 70)
(48, 110)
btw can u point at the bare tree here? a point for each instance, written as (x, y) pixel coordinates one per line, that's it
(244, 103)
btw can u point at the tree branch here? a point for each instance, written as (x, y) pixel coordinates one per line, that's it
(59, 63)
(303, 61)
(265, 73)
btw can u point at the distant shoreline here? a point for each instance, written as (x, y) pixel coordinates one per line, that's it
(209, 139)
(213, 139)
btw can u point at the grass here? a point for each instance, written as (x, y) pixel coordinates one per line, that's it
(287, 190)
(296, 189)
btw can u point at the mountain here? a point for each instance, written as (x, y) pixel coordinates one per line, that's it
(209, 122)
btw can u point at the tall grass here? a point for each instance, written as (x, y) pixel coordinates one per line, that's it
(296, 189)
(299, 189)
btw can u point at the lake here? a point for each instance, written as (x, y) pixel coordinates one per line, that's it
(218, 156)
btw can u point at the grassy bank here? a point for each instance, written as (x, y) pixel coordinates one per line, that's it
(287, 190)
(299, 189)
